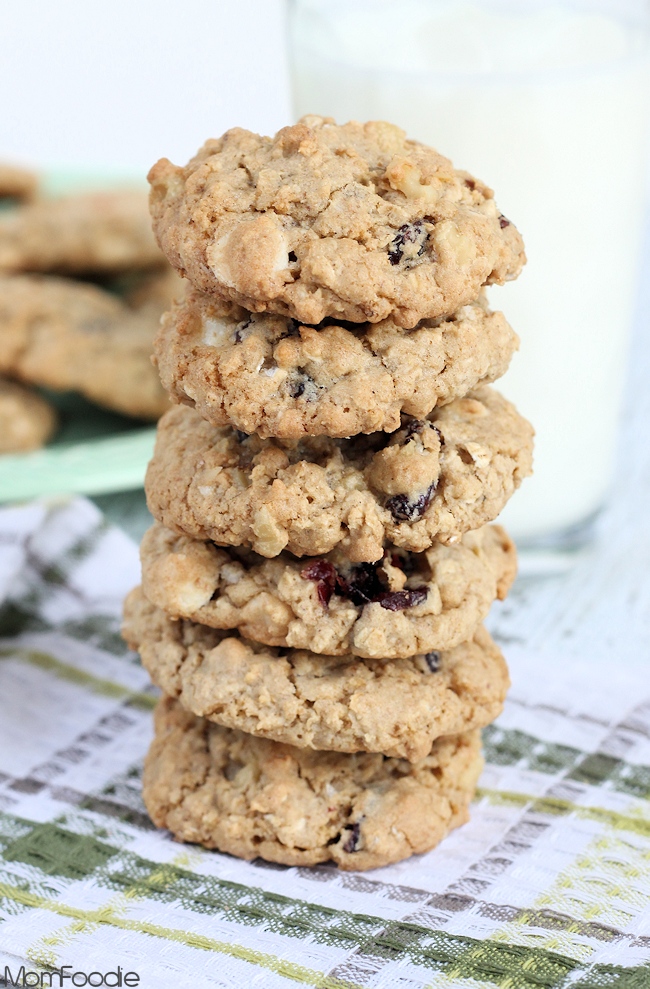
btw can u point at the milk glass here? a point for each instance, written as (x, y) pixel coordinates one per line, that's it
(548, 103)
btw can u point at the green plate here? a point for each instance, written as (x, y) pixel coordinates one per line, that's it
(94, 451)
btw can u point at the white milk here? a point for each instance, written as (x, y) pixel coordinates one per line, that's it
(547, 103)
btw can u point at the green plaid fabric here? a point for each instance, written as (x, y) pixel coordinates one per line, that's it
(547, 887)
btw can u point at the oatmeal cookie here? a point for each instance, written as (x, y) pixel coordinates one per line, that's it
(255, 798)
(98, 232)
(16, 182)
(432, 480)
(27, 421)
(266, 374)
(72, 336)
(405, 604)
(351, 221)
(343, 703)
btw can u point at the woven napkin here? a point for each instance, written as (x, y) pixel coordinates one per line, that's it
(547, 886)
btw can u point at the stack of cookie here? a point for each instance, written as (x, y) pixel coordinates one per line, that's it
(314, 585)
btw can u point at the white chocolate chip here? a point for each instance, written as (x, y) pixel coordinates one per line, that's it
(270, 538)
(218, 256)
(408, 180)
(216, 333)
(450, 242)
(252, 257)
(231, 573)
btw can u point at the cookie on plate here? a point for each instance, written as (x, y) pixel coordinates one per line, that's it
(255, 798)
(269, 375)
(343, 703)
(68, 335)
(85, 233)
(16, 182)
(155, 291)
(351, 221)
(406, 603)
(430, 481)
(27, 421)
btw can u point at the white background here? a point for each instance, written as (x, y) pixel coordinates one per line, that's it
(118, 84)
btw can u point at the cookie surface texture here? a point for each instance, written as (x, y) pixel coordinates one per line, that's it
(402, 605)
(351, 221)
(397, 707)
(255, 798)
(431, 481)
(267, 374)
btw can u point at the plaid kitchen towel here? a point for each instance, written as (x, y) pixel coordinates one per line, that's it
(547, 886)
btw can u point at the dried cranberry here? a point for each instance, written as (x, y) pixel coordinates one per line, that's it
(414, 427)
(404, 509)
(325, 576)
(503, 222)
(352, 841)
(362, 586)
(432, 659)
(399, 600)
(302, 384)
(408, 233)
(471, 184)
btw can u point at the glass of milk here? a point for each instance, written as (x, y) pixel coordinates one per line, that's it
(548, 103)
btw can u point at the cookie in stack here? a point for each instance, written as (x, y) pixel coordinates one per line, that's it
(322, 560)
